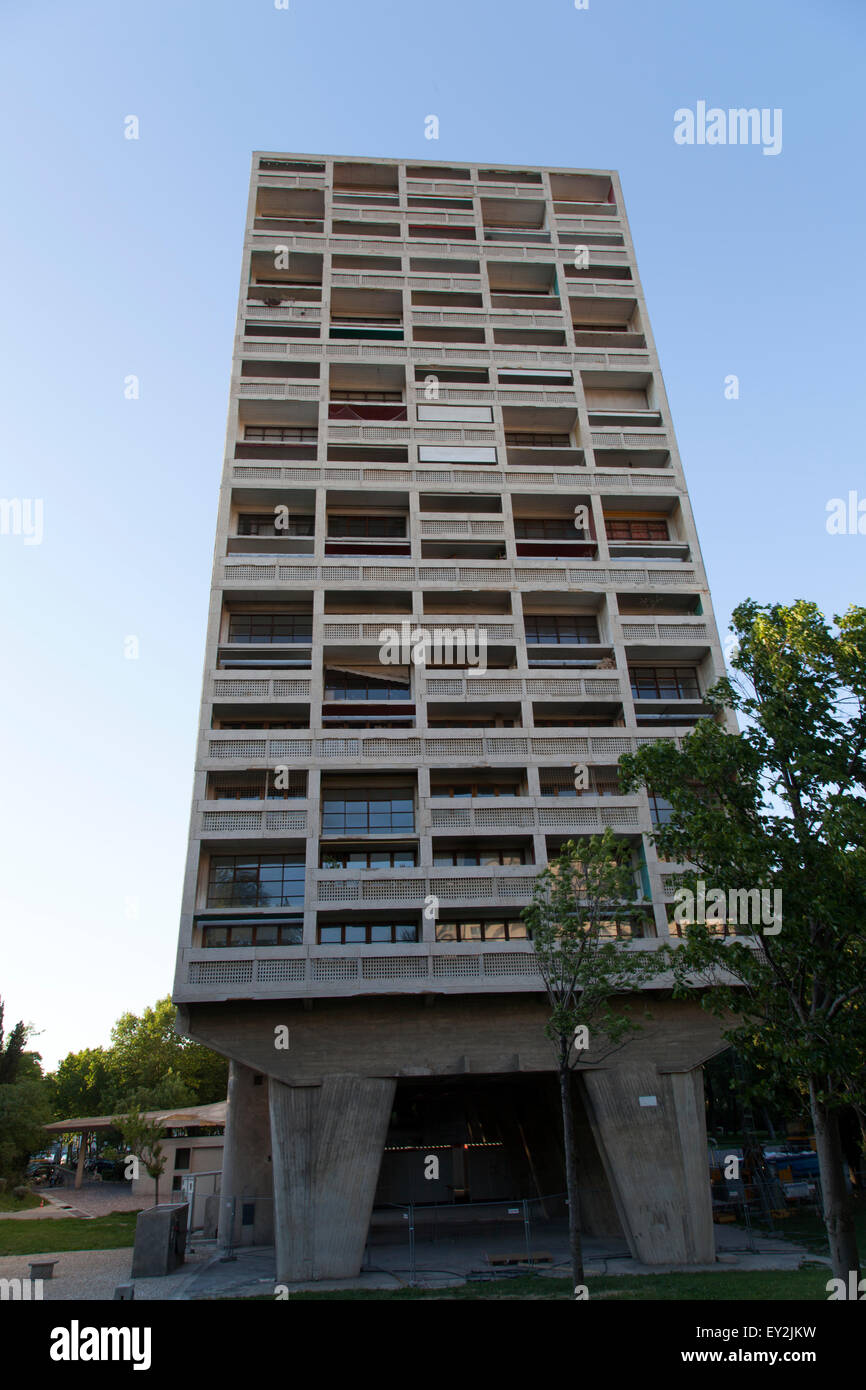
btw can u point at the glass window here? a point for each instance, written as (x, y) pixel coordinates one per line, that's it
(368, 932)
(270, 627)
(259, 880)
(573, 630)
(512, 929)
(664, 682)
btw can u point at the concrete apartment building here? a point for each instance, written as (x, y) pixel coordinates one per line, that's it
(447, 416)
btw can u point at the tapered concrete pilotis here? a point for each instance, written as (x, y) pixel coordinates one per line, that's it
(327, 1144)
(247, 1175)
(656, 1159)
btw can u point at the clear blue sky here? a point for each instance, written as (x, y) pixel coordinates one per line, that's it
(122, 257)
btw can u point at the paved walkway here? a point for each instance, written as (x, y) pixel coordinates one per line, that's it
(94, 1274)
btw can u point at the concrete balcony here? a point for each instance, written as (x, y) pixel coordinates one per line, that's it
(224, 748)
(493, 687)
(449, 967)
(538, 572)
(582, 815)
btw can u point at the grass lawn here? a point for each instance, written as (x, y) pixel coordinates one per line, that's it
(67, 1233)
(806, 1285)
(10, 1203)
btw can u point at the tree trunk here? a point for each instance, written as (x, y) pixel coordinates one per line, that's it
(838, 1215)
(571, 1182)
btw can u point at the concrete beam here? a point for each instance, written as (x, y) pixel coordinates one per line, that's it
(400, 1036)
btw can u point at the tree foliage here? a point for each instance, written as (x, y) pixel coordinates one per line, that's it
(577, 901)
(780, 806)
(147, 1066)
(24, 1103)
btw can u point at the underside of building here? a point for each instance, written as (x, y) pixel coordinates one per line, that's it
(312, 1158)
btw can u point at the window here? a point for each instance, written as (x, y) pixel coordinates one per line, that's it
(347, 816)
(381, 858)
(366, 396)
(625, 530)
(664, 683)
(344, 685)
(629, 926)
(258, 786)
(271, 627)
(661, 810)
(560, 782)
(527, 440)
(281, 434)
(256, 880)
(366, 526)
(362, 721)
(472, 858)
(367, 933)
(265, 524)
(467, 929)
(460, 787)
(279, 723)
(551, 629)
(181, 1158)
(545, 528)
(276, 931)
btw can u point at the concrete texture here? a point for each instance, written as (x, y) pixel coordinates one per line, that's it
(247, 1174)
(327, 1146)
(655, 1158)
(160, 1240)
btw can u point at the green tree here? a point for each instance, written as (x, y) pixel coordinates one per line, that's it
(143, 1137)
(11, 1049)
(577, 901)
(780, 806)
(24, 1101)
(82, 1084)
(151, 1063)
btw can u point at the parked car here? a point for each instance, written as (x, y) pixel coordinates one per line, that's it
(109, 1169)
(43, 1173)
(802, 1162)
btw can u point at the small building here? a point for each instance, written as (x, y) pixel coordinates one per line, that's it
(193, 1149)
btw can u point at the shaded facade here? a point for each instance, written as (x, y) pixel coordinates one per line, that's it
(456, 576)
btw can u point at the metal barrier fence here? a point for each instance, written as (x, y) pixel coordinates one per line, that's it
(514, 1233)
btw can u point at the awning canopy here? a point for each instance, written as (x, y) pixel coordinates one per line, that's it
(188, 1118)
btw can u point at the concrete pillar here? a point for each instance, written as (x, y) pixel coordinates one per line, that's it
(655, 1156)
(327, 1143)
(247, 1170)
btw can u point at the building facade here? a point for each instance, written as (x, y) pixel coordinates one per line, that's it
(456, 576)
